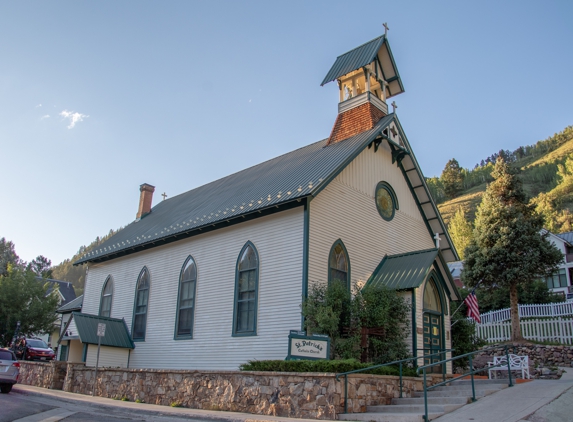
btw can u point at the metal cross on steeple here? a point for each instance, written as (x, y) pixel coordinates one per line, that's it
(394, 106)
(386, 29)
(164, 195)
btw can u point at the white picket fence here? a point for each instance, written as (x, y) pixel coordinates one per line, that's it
(530, 311)
(556, 330)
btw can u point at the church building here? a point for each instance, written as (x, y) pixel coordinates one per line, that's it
(214, 277)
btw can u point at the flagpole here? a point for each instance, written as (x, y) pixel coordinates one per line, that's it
(463, 302)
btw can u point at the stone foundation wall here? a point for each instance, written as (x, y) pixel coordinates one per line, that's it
(312, 395)
(43, 374)
(541, 357)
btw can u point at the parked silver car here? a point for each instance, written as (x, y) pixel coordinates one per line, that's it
(9, 370)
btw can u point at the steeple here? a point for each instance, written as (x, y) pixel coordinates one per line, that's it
(367, 76)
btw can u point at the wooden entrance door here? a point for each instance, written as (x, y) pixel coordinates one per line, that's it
(433, 340)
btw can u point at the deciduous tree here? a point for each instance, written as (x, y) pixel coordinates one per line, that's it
(461, 231)
(508, 248)
(23, 298)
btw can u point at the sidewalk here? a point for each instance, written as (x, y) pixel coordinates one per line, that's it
(153, 408)
(516, 403)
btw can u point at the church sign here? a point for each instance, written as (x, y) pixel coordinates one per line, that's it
(301, 346)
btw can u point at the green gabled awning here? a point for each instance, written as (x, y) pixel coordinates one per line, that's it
(403, 271)
(116, 332)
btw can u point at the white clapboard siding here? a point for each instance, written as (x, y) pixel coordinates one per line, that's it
(409, 339)
(346, 210)
(278, 239)
(75, 352)
(109, 357)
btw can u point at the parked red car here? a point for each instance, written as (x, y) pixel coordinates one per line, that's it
(34, 349)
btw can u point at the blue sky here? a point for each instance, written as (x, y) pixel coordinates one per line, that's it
(97, 98)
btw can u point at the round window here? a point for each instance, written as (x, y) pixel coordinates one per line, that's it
(385, 201)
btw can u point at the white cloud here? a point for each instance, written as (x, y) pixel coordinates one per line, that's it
(45, 117)
(39, 105)
(73, 117)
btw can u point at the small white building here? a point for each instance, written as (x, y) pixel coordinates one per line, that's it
(561, 281)
(215, 276)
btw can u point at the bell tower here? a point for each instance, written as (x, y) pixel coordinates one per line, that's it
(367, 77)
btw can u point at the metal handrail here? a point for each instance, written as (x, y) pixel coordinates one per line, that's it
(379, 366)
(470, 373)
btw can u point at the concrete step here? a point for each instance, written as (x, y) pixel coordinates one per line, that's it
(441, 400)
(449, 393)
(408, 408)
(387, 417)
(432, 400)
(480, 382)
(413, 408)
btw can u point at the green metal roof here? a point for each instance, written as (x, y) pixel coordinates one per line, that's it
(403, 271)
(274, 185)
(364, 55)
(74, 305)
(116, 332)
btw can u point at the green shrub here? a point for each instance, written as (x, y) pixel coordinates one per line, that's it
(330, 309)
(328, 366)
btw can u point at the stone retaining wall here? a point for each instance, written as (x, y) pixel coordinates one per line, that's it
(43, 374)
(541, 358)
(308, 395)
(540, 355)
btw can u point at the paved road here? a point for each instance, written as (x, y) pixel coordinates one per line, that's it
(33, 404)
(26, 406)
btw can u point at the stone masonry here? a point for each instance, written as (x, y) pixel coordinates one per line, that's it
(309, 395)
(541, 357)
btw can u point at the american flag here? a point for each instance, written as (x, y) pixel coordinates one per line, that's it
(472, 303)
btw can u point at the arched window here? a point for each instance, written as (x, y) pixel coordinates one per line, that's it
(246, 291)
(432, 297)
(338, 264)
(186, 300)
(140, 305)
(106, 298)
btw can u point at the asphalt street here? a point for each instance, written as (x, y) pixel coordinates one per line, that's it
(25, 406)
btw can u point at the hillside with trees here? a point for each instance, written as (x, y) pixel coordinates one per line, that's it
(545, 169)
(76, 275)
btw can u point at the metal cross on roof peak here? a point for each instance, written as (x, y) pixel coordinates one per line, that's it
(386, 29)
(394, 106)
(164, 195)
(437, 239)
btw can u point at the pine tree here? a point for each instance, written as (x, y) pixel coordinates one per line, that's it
(508, 248)
(452, 178)
(461, 231)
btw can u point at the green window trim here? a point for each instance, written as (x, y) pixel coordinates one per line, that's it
(141, 305)
(186, 297)
(386, 200)
(246, 292)
(339, 264)
(106, 299)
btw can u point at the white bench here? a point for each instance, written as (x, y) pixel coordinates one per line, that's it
(516, 363)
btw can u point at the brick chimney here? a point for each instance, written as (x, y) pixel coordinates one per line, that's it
(145, 200)
(354, 121)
